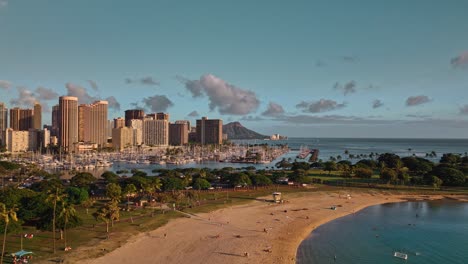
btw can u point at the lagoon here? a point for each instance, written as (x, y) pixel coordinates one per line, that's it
(428, 231)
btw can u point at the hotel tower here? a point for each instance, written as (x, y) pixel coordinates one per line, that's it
(68, 122)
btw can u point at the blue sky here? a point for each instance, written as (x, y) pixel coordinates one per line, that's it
(302, 68)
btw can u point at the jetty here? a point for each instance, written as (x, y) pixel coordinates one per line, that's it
(305, 151)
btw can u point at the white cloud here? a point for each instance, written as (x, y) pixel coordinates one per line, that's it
(6, 85)
(417, 100)
(225, 97)
(273, 109)
(322, 105)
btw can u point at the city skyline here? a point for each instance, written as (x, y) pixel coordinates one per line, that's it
(399, 70)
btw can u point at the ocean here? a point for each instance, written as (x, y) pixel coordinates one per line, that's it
(402, 147)
(327, 147)
(429, 232)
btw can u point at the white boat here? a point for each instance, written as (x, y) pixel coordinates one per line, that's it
(400, 255)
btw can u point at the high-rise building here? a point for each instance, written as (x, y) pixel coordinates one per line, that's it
(119, 122)
(162, 116)
(3, 122)
(122, 138)
(133, 114)
(3, 117)
(68, 122)
(54, 131)
(110, 126)
(16, 141)
(155, 132)
(92, 123)
(21, 119)
(137, 126)
(178, 134)
(209, 131)
(44, 138)
(37, 117)
(83, 114)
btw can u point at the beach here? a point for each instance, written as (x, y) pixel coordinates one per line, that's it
(258, 232)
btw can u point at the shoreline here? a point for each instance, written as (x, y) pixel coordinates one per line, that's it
(225, 235)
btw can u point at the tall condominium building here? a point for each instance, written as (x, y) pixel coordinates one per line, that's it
(54, 131)
(178, 134)
(83, 110)
(3, 117)
(122, 138)
(3, 122)
(137, 126)
(110, 126)
(44, 138)
(155, 132)
(133, 114)
(21, 119)
(162, 116)
(209, 131)
(37, 117)
(68, 122)
(92, 123)
(16, 141)
(119, 122)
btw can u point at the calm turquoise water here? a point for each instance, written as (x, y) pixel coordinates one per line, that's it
(438, 235)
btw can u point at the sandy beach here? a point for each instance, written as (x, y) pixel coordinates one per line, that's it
(266, 232)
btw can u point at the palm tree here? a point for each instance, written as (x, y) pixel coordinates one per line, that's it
(67, 211)
(6, 215)
(54, 198)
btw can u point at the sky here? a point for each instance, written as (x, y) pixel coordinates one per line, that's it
(362, 69)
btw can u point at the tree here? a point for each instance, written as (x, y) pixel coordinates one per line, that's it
(108, 213)
(388, 175)
(417, 166)
(83, 179)
(300, 165)
(130, 189)
(363, 173)
(6, 215)
(298, 176)
(110, 177)
(66, 213)
(390, 160)
(329, 166)
(450, 158)
(114, 211)
(172, 183)
(366, 163)
(239, 179)
(54, 198)
(76, 195)
(102, 214)
(88, 204)
(436, 182)
(260, 180)
(113, 191)
(449, 176)
(201, 184)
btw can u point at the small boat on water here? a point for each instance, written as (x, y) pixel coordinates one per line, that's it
(400, 255)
